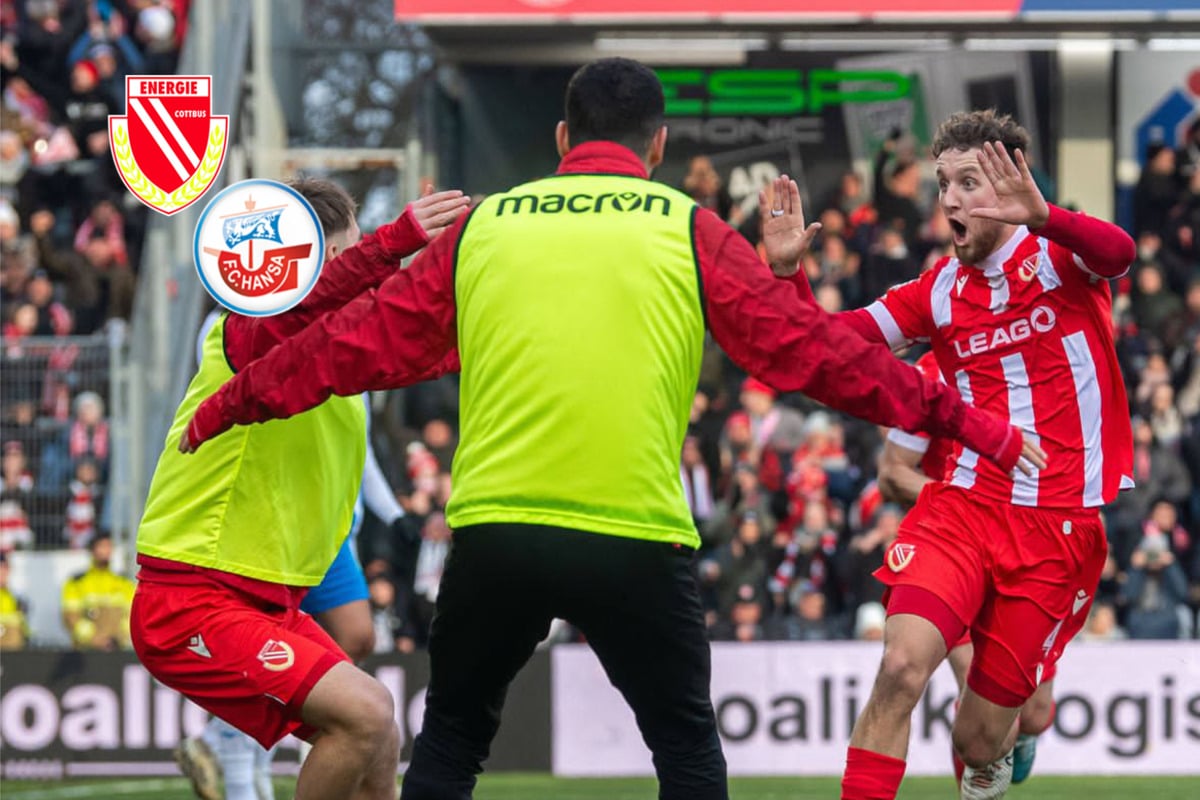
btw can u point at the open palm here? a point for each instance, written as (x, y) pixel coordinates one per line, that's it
(1018, 199)
(785, 237)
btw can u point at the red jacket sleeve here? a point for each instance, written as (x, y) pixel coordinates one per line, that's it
(1101, 248)
(396, 335)
(793, 345)
(362, 267)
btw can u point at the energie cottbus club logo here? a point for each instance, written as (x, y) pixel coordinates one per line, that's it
(168, 146)
(258, 247)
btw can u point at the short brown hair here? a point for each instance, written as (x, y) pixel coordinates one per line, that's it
(965, 130)
(333, 204)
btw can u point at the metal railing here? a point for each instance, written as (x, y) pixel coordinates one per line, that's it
(58, 441)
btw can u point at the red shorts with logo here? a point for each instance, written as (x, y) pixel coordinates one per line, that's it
(1022, 580)
(249, 662)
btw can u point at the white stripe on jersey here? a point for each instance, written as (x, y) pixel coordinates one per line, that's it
(909, 441)
(887, 324)
(964, 471)
(939, 298)
(1020, 413)
(1047, 274)
(998, 283)
(1087, 386)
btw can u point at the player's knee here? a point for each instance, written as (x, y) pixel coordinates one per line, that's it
(366, 714)
(975, 745)
(902, 674)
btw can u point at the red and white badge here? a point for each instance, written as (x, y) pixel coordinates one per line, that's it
(258, 247)
(168, 146)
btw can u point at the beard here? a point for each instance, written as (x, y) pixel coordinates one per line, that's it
(981, 244)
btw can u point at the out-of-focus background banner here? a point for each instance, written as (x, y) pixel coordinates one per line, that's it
(100, 306)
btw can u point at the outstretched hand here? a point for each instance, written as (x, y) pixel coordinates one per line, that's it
(784, 234)
(1018, 199)
(436, 211)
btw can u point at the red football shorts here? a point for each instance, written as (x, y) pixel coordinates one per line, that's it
(247, 661)
(1021, 579)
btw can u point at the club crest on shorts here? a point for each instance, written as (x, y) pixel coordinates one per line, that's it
(168, 146)
(277, 655)
(900, 555)
(258, 247)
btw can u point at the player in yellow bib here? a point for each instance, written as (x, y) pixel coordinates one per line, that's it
(231, 542)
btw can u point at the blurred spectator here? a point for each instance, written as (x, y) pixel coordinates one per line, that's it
(82, 509)
(1101, 625)
(384, 619)
(703, 184)
(53, 319)
(438, 437)
(697, 485)
(890, 262)
(155, 33)
(742, 561)
(1182, 233)
(865, 554)
(1154, 306)
(106, 45)
(96, 603)
(1187, 158)
(1155, 373)
(895, 193)
(18, 426)
(744, 623)
(869, 622)
(1154, 591)
(850, 198)
(15, 533)
(773, 426)
(14, 622)
(431, 559)
(1165, 419)
(807, 621)
(802, 553)
(15, 476)
(746, 496)
(85, 437)
(73, 269)
(1156, 192)
(1158, 472)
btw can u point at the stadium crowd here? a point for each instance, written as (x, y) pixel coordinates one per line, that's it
(783, 491)
(70, 242)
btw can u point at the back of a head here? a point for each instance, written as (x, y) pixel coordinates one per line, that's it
(333, 204)
(966, 130)
(615, 100)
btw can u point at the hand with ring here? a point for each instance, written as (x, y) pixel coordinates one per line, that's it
(785, 237)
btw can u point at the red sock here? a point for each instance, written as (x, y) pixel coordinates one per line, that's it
(871, 776)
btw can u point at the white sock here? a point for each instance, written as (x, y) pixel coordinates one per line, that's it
(235, 751)
(263, 786)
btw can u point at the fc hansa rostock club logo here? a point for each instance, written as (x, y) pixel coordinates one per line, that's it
(258, 247)
(168, 146)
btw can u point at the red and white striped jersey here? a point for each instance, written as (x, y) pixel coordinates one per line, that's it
(1026, 334)
(936, 451)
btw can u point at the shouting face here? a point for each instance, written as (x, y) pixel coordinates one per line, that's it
(962, 187)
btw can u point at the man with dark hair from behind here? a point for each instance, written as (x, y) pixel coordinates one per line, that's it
(555, 293)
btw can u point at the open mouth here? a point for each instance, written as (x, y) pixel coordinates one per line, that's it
(960, 232)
